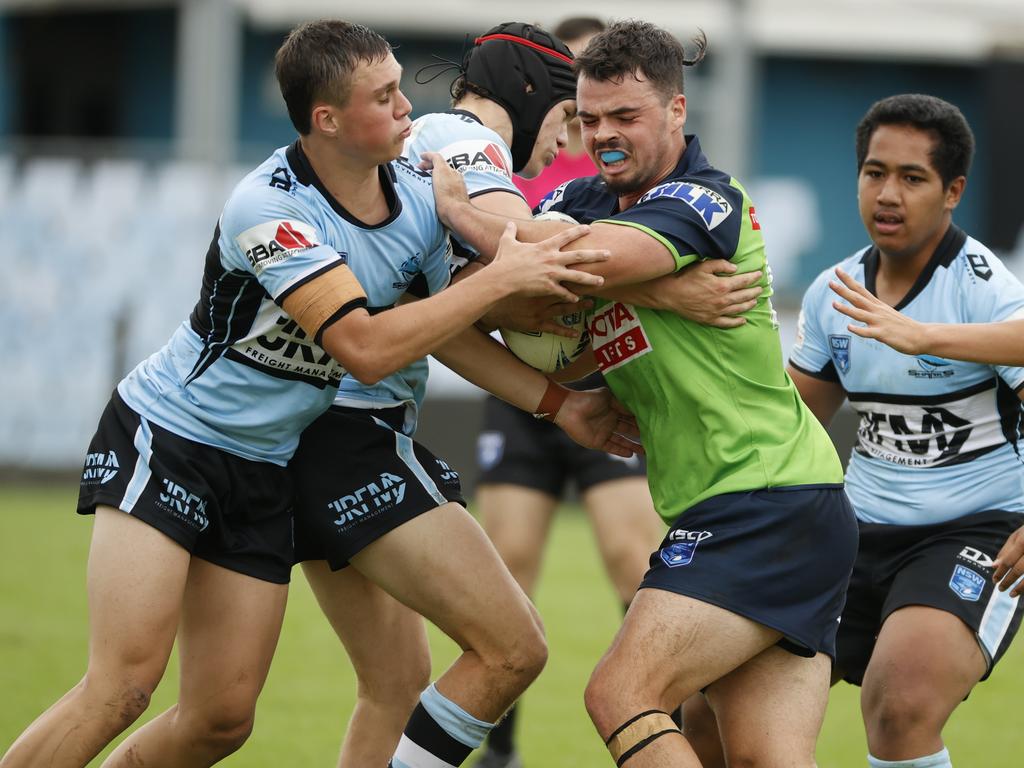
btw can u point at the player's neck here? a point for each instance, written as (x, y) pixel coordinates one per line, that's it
(351, 182)
(898, 272)
(669, 164)
(490, 113)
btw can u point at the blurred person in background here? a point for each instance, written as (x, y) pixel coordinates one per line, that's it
(935, 477)
(738, 466)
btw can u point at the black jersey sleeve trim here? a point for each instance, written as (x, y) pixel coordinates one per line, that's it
(343, 310)
(478, 193)
(943, 397)
(828, 373)
(280, 299)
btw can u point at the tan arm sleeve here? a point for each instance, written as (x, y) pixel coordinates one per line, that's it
(312, 304)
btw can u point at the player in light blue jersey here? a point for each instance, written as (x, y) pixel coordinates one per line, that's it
(186, 476)
(935, 477)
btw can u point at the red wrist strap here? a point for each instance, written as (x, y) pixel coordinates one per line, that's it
(554, 397)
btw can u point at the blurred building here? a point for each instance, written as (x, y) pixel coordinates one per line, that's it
(124, 123)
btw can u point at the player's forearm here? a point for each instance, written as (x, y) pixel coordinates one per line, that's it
(482, 229)
(992, 343)
(482, 361)
(373, 347)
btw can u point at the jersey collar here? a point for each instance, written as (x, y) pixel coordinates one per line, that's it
(306, 176)
(947, 249)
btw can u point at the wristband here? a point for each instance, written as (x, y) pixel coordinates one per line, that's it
(554, 396)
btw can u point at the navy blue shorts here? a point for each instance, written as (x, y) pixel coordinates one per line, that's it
(947, 566)
(222, 508)
(357, 477)
(781, 557)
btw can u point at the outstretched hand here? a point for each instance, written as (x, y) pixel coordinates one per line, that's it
(595, 419)
(881, 321)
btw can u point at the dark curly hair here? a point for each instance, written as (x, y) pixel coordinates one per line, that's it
(639, 48)
(954, 141)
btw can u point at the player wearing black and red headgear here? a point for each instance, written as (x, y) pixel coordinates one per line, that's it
(527, 71)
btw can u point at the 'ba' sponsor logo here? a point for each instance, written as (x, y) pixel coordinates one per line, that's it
(477, 156)
(100, 467)
(712, 207)
(684, 544)
(273, 241)
(369, 501)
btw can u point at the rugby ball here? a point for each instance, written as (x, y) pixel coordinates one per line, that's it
(545, 351)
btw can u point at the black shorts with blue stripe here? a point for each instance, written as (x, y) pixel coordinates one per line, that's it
(357, 476)
(947, 566)
(225, 509)
(781, 557)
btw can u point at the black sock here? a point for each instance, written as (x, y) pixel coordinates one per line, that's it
(502, 737)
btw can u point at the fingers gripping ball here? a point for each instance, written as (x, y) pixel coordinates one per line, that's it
(550, 352)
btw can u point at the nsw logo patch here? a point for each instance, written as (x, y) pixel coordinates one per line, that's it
(840, 346)
(967, 584)
(683, 547)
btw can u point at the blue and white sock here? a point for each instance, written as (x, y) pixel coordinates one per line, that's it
(440, 734)
(938, 760)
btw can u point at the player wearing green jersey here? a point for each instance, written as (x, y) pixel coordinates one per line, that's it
(742, 599)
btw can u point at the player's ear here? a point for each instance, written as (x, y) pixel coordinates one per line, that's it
(955, 191)
(677, 111)
(324, 119)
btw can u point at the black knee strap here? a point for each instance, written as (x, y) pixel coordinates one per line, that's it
(637, 732)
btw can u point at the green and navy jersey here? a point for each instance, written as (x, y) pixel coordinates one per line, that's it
(938, 439)
(716, 410)
(240, 374)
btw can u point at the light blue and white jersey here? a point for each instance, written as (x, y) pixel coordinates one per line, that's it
(471, 148)
(240, 374)
(938, 439)
(420, 264)
(485, 162)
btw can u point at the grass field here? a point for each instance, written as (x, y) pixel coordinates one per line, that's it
(309, 695)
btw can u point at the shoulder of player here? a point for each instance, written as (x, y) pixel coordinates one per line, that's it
(578, 195)
(258, 199)
(441, 130)
(978, 269)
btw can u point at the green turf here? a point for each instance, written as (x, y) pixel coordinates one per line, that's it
(309, 695)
